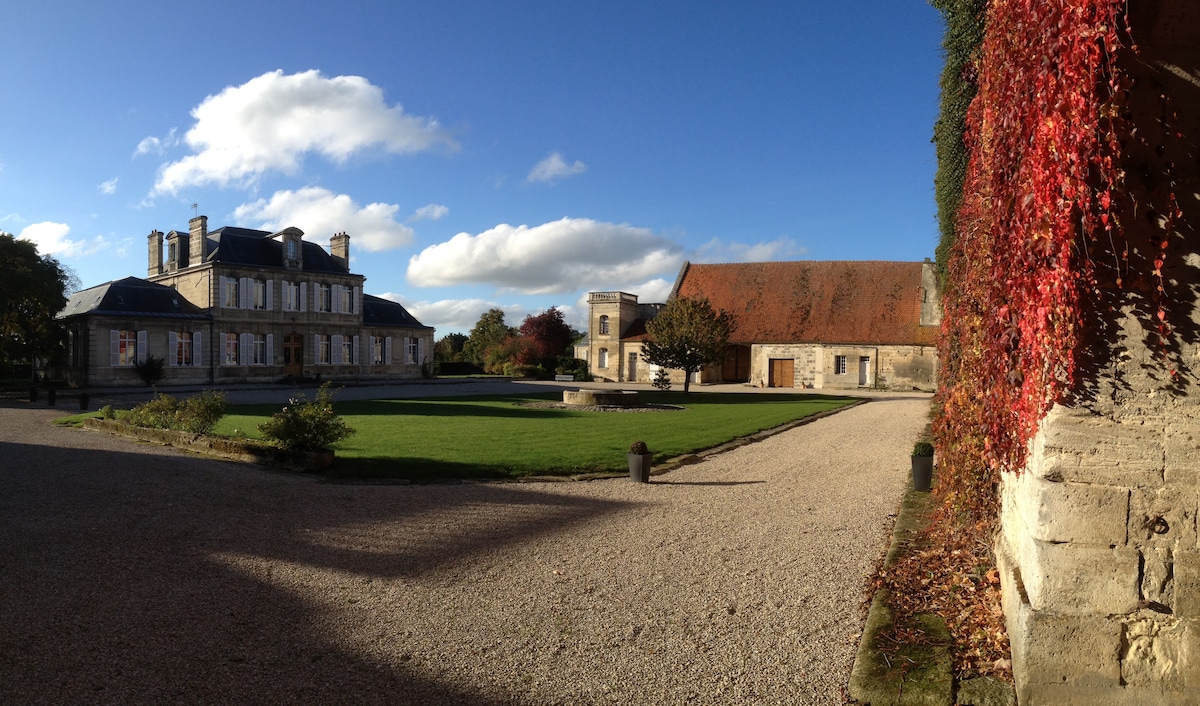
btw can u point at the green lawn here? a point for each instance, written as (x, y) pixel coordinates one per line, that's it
(494, 436)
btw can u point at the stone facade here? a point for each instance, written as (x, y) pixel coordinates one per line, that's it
(827, 325)
(1099, 545)
(238, 306)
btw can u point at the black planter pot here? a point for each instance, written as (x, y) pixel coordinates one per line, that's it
(639, 467)
(922, 472)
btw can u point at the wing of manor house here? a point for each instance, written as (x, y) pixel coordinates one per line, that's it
(808, 324)
(239, 305)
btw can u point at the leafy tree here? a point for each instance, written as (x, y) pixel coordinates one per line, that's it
(32, 292)
(449, 348)
(687, 335)
(546, 337)
(488, 333)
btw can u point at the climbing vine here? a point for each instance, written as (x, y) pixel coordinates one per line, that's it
(1043, 135)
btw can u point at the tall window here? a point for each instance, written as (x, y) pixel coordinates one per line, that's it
(229, 285)
(231, 349)
(347, 350)
(127, 347)
(182, 355)
(291, 249)
(291, 296)
(347, 303)
(258, 350)
(325, 298)
(258, 288)
(839, 365)
(410, 355)
(323, 350)
(377, 350)
(604, 325)
(602, 358)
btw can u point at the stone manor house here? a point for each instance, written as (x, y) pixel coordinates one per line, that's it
(807, 324)
(240, 305)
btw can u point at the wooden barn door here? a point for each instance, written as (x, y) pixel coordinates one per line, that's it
(782, 373)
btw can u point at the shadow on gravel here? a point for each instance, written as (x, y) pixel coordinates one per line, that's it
(710, 482)
(150, 578)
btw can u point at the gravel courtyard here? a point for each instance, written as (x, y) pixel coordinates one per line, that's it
(135, 574)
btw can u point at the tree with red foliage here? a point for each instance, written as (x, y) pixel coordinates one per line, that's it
(546, 337)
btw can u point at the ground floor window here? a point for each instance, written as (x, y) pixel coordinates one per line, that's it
(231, 350)
(602, 358)
(411, 351)
(258, 355)
(124, 348)
(324, 350)
(181, 353)
(839, 365)
(347, 349)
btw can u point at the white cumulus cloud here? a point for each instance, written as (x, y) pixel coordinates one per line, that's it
(430, 212)
(320, 213)
(51, 239)
(553, 168)
(108, 187)
(156, 145)
(555, 257)
(272, 121)
(450, 315)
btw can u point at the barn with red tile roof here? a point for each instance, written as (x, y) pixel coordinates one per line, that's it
(814, 324)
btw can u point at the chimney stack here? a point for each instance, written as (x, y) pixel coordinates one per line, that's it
(198, 242)
(156, 253)
(339, 247)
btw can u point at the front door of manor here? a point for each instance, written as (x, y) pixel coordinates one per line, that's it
(293, 355)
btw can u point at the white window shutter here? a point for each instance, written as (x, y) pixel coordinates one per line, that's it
(354, 350)
(245, 294)
(354, 300)
(335, 305)
(335, 355)
(196, 338)
(317, 348)
(172, 344)
(420, 351)
(221, 293)
(114, 349)
(270, 349)
(270, 294)
(387, 350)
(245, 348)
(303, 296)
(141, 347)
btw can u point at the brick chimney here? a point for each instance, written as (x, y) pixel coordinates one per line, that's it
(339, 247)
(156, 253)
(198, 242)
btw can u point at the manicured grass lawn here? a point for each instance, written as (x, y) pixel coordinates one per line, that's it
(494, 436)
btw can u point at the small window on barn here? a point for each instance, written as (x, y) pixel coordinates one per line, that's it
(839, 365)
(603, 327)
(602, 358)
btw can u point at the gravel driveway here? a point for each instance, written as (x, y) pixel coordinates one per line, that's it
(138, 574)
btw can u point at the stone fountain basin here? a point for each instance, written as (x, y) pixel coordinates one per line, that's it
(601, 398)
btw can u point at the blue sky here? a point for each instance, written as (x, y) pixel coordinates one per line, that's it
(480, 154)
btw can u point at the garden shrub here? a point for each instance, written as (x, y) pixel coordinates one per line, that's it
(150, 370)
(306, 426)
(197, 415)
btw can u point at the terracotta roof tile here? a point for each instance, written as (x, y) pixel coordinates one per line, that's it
(815, 302)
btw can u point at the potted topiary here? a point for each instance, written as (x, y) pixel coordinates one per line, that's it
(639, 462)
(922, 465)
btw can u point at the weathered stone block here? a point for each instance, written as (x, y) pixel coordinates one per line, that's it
(1076, 445)
(1073, 512)
(1152, 652)
(1158, 577)
(1080, 650)
(1072, 695)
(1182, 452)
(1163, 517)
(1080, 580)
(1187, 586)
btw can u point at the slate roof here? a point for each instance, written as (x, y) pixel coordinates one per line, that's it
(256, 248)
(831, 302)
(378, 311)
(131, 297)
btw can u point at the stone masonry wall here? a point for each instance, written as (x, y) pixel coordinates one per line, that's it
(1099, 545)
